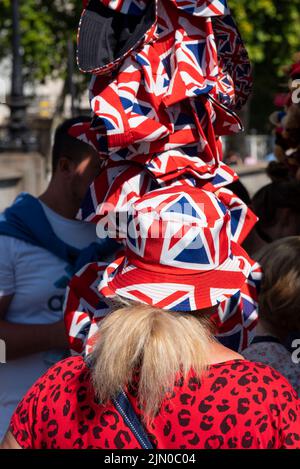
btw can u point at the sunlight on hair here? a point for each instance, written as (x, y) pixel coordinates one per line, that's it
(156, 342)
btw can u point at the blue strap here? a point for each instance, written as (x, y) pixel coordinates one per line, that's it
(130, 418)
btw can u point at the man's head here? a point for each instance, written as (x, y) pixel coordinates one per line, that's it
(277, 207)
(74, 163)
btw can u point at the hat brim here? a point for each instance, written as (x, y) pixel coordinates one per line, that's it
(105, 35)
(190, 292)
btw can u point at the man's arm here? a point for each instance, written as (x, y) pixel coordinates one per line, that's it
(23, 339)
(9, 442)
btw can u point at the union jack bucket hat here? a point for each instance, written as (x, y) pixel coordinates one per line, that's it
(110, 30)
(179, 253)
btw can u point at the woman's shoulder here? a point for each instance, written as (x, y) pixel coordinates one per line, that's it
(69, 367)
(67, 375)
(50, 400)
(243, 372)
(242, 365)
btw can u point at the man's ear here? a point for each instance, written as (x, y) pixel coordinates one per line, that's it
(65, 166)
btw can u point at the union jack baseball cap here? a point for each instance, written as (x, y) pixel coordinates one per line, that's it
(179, 253)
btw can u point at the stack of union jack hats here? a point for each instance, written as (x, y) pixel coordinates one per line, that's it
(167, 78)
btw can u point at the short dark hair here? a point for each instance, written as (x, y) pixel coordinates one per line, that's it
(280, 288)
(68, 146)
(272, 197)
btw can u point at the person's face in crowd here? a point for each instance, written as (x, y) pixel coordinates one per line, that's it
(78, 176)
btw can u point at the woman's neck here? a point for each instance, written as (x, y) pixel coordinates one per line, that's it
(218, 353)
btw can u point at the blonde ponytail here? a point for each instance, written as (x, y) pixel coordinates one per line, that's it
(156, 342)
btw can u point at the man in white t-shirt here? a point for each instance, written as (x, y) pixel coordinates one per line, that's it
(40, 244)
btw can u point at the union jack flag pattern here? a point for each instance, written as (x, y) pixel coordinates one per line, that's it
(237, 317)
(164, 227)
(120, 184)
(168, 103)
(159, 113)
(170, 99)
(85, 307)
(171, 91)
(195, 7)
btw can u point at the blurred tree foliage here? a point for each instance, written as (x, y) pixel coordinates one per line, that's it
(271, 30)
(46, 27)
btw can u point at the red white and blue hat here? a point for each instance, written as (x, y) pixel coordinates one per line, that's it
(111, 30)
(179, 254)
(180, 69)
(85, 308)
(120, 184)
(190, 262)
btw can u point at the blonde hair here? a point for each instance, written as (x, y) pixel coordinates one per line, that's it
(156, 343)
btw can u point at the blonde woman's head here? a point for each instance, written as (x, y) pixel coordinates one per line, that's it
(156, 343)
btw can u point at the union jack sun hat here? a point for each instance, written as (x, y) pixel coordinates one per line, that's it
(179, 253)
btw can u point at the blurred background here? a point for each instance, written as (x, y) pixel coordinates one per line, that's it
(40, 85)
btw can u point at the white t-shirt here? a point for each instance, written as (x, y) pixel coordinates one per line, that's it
(37, 279)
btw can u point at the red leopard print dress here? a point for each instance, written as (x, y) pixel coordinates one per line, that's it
(238, 404)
